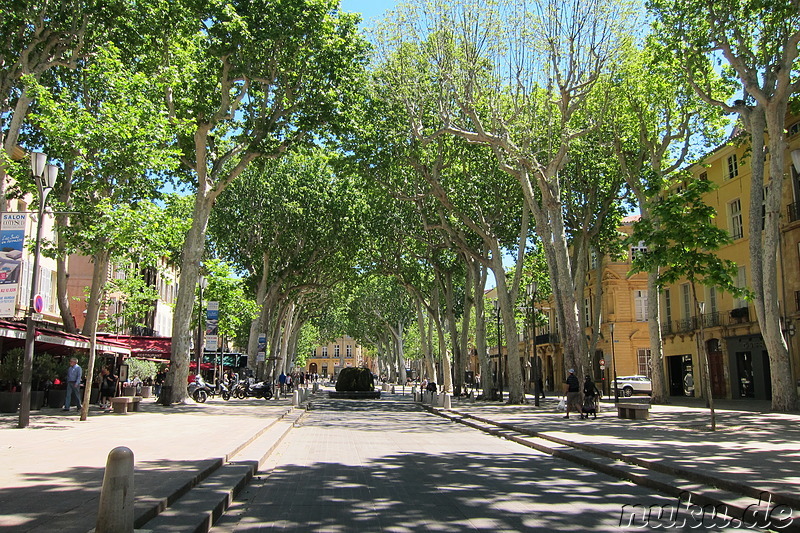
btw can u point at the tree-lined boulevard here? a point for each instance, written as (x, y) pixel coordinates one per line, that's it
(394, 465)
(368, 185)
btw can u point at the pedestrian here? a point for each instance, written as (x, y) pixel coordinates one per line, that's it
(540, 384)
(572, 389)
(282, 381)
(108, 386)
(74, 376)
(590, 397)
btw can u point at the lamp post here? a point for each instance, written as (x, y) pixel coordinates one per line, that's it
(536, 369)
(614, 365)
(45, 177)
(499, 350)
(201, 283)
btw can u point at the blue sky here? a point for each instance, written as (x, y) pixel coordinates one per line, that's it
(369, 9)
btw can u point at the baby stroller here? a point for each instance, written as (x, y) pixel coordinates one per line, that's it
(589, 406)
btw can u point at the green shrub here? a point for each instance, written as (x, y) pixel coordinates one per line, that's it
(141, 369)
(355, 379)
(11, 367)
(45, 367)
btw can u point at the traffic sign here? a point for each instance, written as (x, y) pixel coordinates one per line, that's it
(602, 362)
(602, 367)
(38, 303)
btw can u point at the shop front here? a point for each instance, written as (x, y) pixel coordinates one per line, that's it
(749, 367)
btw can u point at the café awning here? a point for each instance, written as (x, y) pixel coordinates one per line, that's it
(156, 349)
(58, 342)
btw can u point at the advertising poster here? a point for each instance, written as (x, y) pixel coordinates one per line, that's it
(261, 352)
(12, 239)
(212, 326)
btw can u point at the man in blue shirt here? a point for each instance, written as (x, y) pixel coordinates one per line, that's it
(74, 375)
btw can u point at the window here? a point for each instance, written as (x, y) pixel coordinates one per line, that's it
(324, 351)
(712, 300)
(643, 356)
(793, 130)
(667, 306)
(687, 301)
(735, 219)
(587, 312)
(639, 248)
(704, 176)
(46, 288)
(336, 350)
(733, 167)
(640, 305)
(741, 282)
(349, 351)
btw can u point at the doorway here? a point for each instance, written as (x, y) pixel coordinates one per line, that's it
(744, 369)
(717, 369)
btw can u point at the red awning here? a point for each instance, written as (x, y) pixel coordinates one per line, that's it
(149, 348)
(57, 341)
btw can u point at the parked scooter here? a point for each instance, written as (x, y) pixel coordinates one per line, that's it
(200, 390)
(246, 389)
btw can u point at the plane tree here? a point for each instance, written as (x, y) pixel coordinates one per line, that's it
(658, 126)
(249, 80)
(292, 227)
(753, 45)
(521, 78)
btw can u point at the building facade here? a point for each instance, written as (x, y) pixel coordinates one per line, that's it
(738, 360)
(328, 359)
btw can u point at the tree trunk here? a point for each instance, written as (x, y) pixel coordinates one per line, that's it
(466, 316)
(658, 379)
(193, 248)
(458, 381)
(510, 361)
(62, 276)
(480, 329)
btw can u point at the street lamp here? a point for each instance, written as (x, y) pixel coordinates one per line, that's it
(202, 283)
(499, 349)
(614, 365)
(45, 177)
(536, 369)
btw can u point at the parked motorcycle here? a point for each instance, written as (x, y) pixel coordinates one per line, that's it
(200, 390)
(246, 389)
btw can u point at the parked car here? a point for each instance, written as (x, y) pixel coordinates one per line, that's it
(630, 385)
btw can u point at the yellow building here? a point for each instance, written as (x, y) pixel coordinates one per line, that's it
(623, 304)
(739, 366)
(328, 359)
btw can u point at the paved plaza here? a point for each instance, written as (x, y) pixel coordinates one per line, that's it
(392, 464)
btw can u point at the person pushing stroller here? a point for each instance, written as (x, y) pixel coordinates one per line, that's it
(590, 397)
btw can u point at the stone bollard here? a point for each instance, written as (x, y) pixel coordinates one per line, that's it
(446, 401)
(296, 398)
(115, 513)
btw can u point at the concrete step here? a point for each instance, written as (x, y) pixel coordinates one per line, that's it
(700, 498)
(199, 508)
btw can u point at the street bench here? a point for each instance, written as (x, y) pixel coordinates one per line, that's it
(125, 404)
(633, 411)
